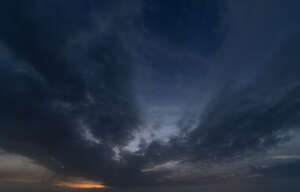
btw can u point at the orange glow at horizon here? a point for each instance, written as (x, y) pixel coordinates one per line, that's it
(74, 183)
(80, 184)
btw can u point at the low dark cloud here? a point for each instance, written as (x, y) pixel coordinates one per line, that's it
(286, 170)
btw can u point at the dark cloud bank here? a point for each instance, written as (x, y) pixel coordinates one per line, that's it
(67, 79)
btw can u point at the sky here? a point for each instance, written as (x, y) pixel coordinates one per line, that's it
(149, 95)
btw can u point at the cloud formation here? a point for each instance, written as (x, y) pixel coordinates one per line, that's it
(124, 93)
(66, 97)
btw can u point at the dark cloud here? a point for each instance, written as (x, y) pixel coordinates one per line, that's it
(286, 170)
(252, 105)
(254, 115)
(187, 23)
(56, 87)
(70, 93)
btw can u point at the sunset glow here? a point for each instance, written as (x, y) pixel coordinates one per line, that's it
(78, 183)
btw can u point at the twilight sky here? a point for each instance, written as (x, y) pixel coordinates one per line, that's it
(149, 95)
